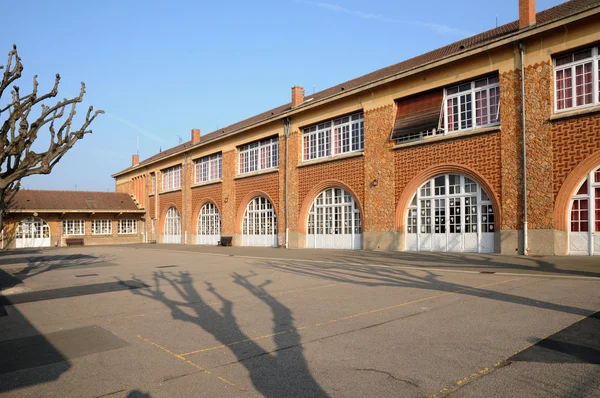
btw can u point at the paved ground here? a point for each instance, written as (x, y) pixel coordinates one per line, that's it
(165, 321)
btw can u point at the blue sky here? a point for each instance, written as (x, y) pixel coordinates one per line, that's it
(161, 68)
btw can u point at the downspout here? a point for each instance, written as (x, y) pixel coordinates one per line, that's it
(286, 133)
(146, 205)
(525, 227)
(183, 197)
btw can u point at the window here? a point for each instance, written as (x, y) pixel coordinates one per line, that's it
(153, 181)
(101, 227)
(127, 226)
(471, 105)
(259, 155)
(209, 168)
(171, 178)
(73, 227)
(577, 79)
(334, 137)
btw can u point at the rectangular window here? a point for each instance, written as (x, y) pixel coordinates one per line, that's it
(153, 181)
(259, 155)
(472, 105)
(577, 79)
(171, 178)
(209, 168)
(127, 227)
(334, 137)
(73, 227)
(101, 227)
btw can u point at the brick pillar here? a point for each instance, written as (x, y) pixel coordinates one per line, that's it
(379, 205)
(229, 211)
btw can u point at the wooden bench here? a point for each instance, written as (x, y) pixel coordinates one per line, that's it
(225, 241)
(74, 241)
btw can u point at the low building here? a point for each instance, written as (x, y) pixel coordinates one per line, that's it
(489, 144)
(57, 218)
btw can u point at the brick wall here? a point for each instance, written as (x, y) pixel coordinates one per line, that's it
(166, 200)
(267, 183)
(152, 207)
(480, 153)
(199, 196)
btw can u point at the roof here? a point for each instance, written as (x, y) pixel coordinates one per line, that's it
(558, 12)
(71, 201)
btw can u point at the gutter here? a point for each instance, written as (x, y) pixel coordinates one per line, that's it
(525, 226)
(286, 133)
(518, 35)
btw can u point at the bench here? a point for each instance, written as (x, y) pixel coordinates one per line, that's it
(225, 241)
(74, 241)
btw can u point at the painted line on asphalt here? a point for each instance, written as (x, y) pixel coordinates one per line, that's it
(461, 271)
(499, 364)
(181, 358)
(374, 311)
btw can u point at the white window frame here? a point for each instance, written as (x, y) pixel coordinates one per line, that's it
(595, 60)
(153, 183)
(469, 90)
(322, 138)
(208, 168)
(127, 227)
(259, 155)
(171, 178)
(101, 227)
(73, 227)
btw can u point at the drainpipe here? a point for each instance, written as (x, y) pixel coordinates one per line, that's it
(183, 197)
(146, 205)
(525, 229)
(286, 133)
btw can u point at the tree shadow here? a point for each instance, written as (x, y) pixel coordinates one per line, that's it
(385, 276)
(283, 371)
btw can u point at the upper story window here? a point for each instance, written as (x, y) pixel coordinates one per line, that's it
(209, 168)
(473, 104)
(334, 137)
(577, 79)
(153, 182)
(259, 155)
(171, 178)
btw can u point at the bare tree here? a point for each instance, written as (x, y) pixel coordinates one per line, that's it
(18, 132)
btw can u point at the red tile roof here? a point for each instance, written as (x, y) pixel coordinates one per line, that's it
(560, 11)
(67, 201)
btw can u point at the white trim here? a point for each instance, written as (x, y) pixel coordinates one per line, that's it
(258, 155)
(321, 137)
(208, 168)
(595, 61)
(171, 178)
(127, 227)
(73, 227)
(104, 226)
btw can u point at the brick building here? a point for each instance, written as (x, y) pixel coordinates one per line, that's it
(426, 154)
(56, 218)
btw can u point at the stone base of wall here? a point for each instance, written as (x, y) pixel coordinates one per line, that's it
(381, 241)
(510, 241)
(548, 242)
(296, 240)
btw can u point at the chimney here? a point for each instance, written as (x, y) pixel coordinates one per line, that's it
(526, 13)
(135, 160)
(297, 95)
(195, 135)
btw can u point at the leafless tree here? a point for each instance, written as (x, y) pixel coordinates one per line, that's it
(18, 131)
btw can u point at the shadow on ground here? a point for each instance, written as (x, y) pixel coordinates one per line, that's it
(281, 372)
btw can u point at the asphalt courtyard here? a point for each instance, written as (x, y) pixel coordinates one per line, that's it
(191, 321)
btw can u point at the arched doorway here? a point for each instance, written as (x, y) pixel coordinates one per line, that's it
(32, 232)
(450, 213)
(259, 225)
(209, 225)
(334, 221)
(172, 226)
(584, 217)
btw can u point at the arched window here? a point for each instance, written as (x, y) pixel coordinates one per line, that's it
(334, 221)
(259, 225)
(450, 212)
(584, 217)
(172, 226)
(32, 232)
(209, 225)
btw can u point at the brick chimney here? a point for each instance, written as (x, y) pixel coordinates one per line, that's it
(195, 135)
(135, 160)
(526, 13)
(297, 95)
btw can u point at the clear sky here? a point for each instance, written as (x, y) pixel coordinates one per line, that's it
(161, 68)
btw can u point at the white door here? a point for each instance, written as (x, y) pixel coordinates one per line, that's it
(172, 226)
(584, 217)
(259, 225)
(33, 232)
(452, 213)
(334, 221)
(209, 225)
